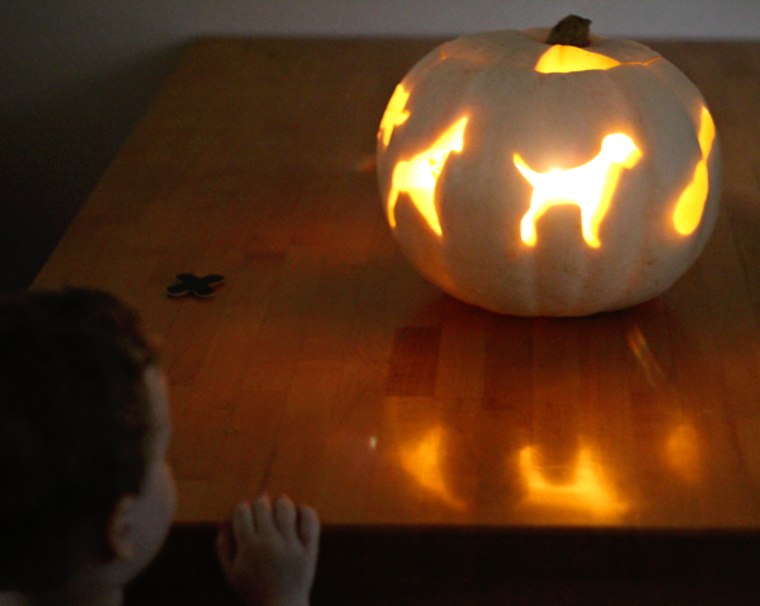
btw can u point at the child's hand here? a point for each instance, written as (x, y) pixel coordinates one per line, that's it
(269, 552)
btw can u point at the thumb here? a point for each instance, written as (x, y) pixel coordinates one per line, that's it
(309, 528)
(225, 550)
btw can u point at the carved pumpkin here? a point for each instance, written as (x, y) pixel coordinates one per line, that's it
(556, 179)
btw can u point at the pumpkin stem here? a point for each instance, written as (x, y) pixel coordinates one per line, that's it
(572, 30)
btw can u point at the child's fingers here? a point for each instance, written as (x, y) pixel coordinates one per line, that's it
(285, 516)
(308, 527)
(224, 548)
(242, 523)
(262, 516)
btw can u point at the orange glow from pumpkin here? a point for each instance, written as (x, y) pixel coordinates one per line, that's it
(587, 490)
(691, 203)
(589, 186)
(647, 359)
(395, 114)
(418, 177)
(422, 461)
(683, 452)
(565, 59)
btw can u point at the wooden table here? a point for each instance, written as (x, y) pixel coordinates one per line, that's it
(327, 369)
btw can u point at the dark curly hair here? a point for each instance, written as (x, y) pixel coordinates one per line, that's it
(74, 429)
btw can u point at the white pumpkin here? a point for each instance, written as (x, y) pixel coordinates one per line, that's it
(548, 179)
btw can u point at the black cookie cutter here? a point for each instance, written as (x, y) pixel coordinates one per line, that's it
(190, 284)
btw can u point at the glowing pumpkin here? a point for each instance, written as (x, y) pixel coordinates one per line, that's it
(549, 179)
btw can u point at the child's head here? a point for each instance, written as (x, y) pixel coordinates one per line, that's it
(83, 434)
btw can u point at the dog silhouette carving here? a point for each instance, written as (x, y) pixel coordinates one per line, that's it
(418, 177)
(589, 186)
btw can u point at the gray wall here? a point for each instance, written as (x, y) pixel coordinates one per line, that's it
(75, 75)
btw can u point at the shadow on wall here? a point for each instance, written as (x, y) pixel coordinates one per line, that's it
(54, 151)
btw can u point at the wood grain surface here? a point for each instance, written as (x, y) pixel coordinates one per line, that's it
(328, 369)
